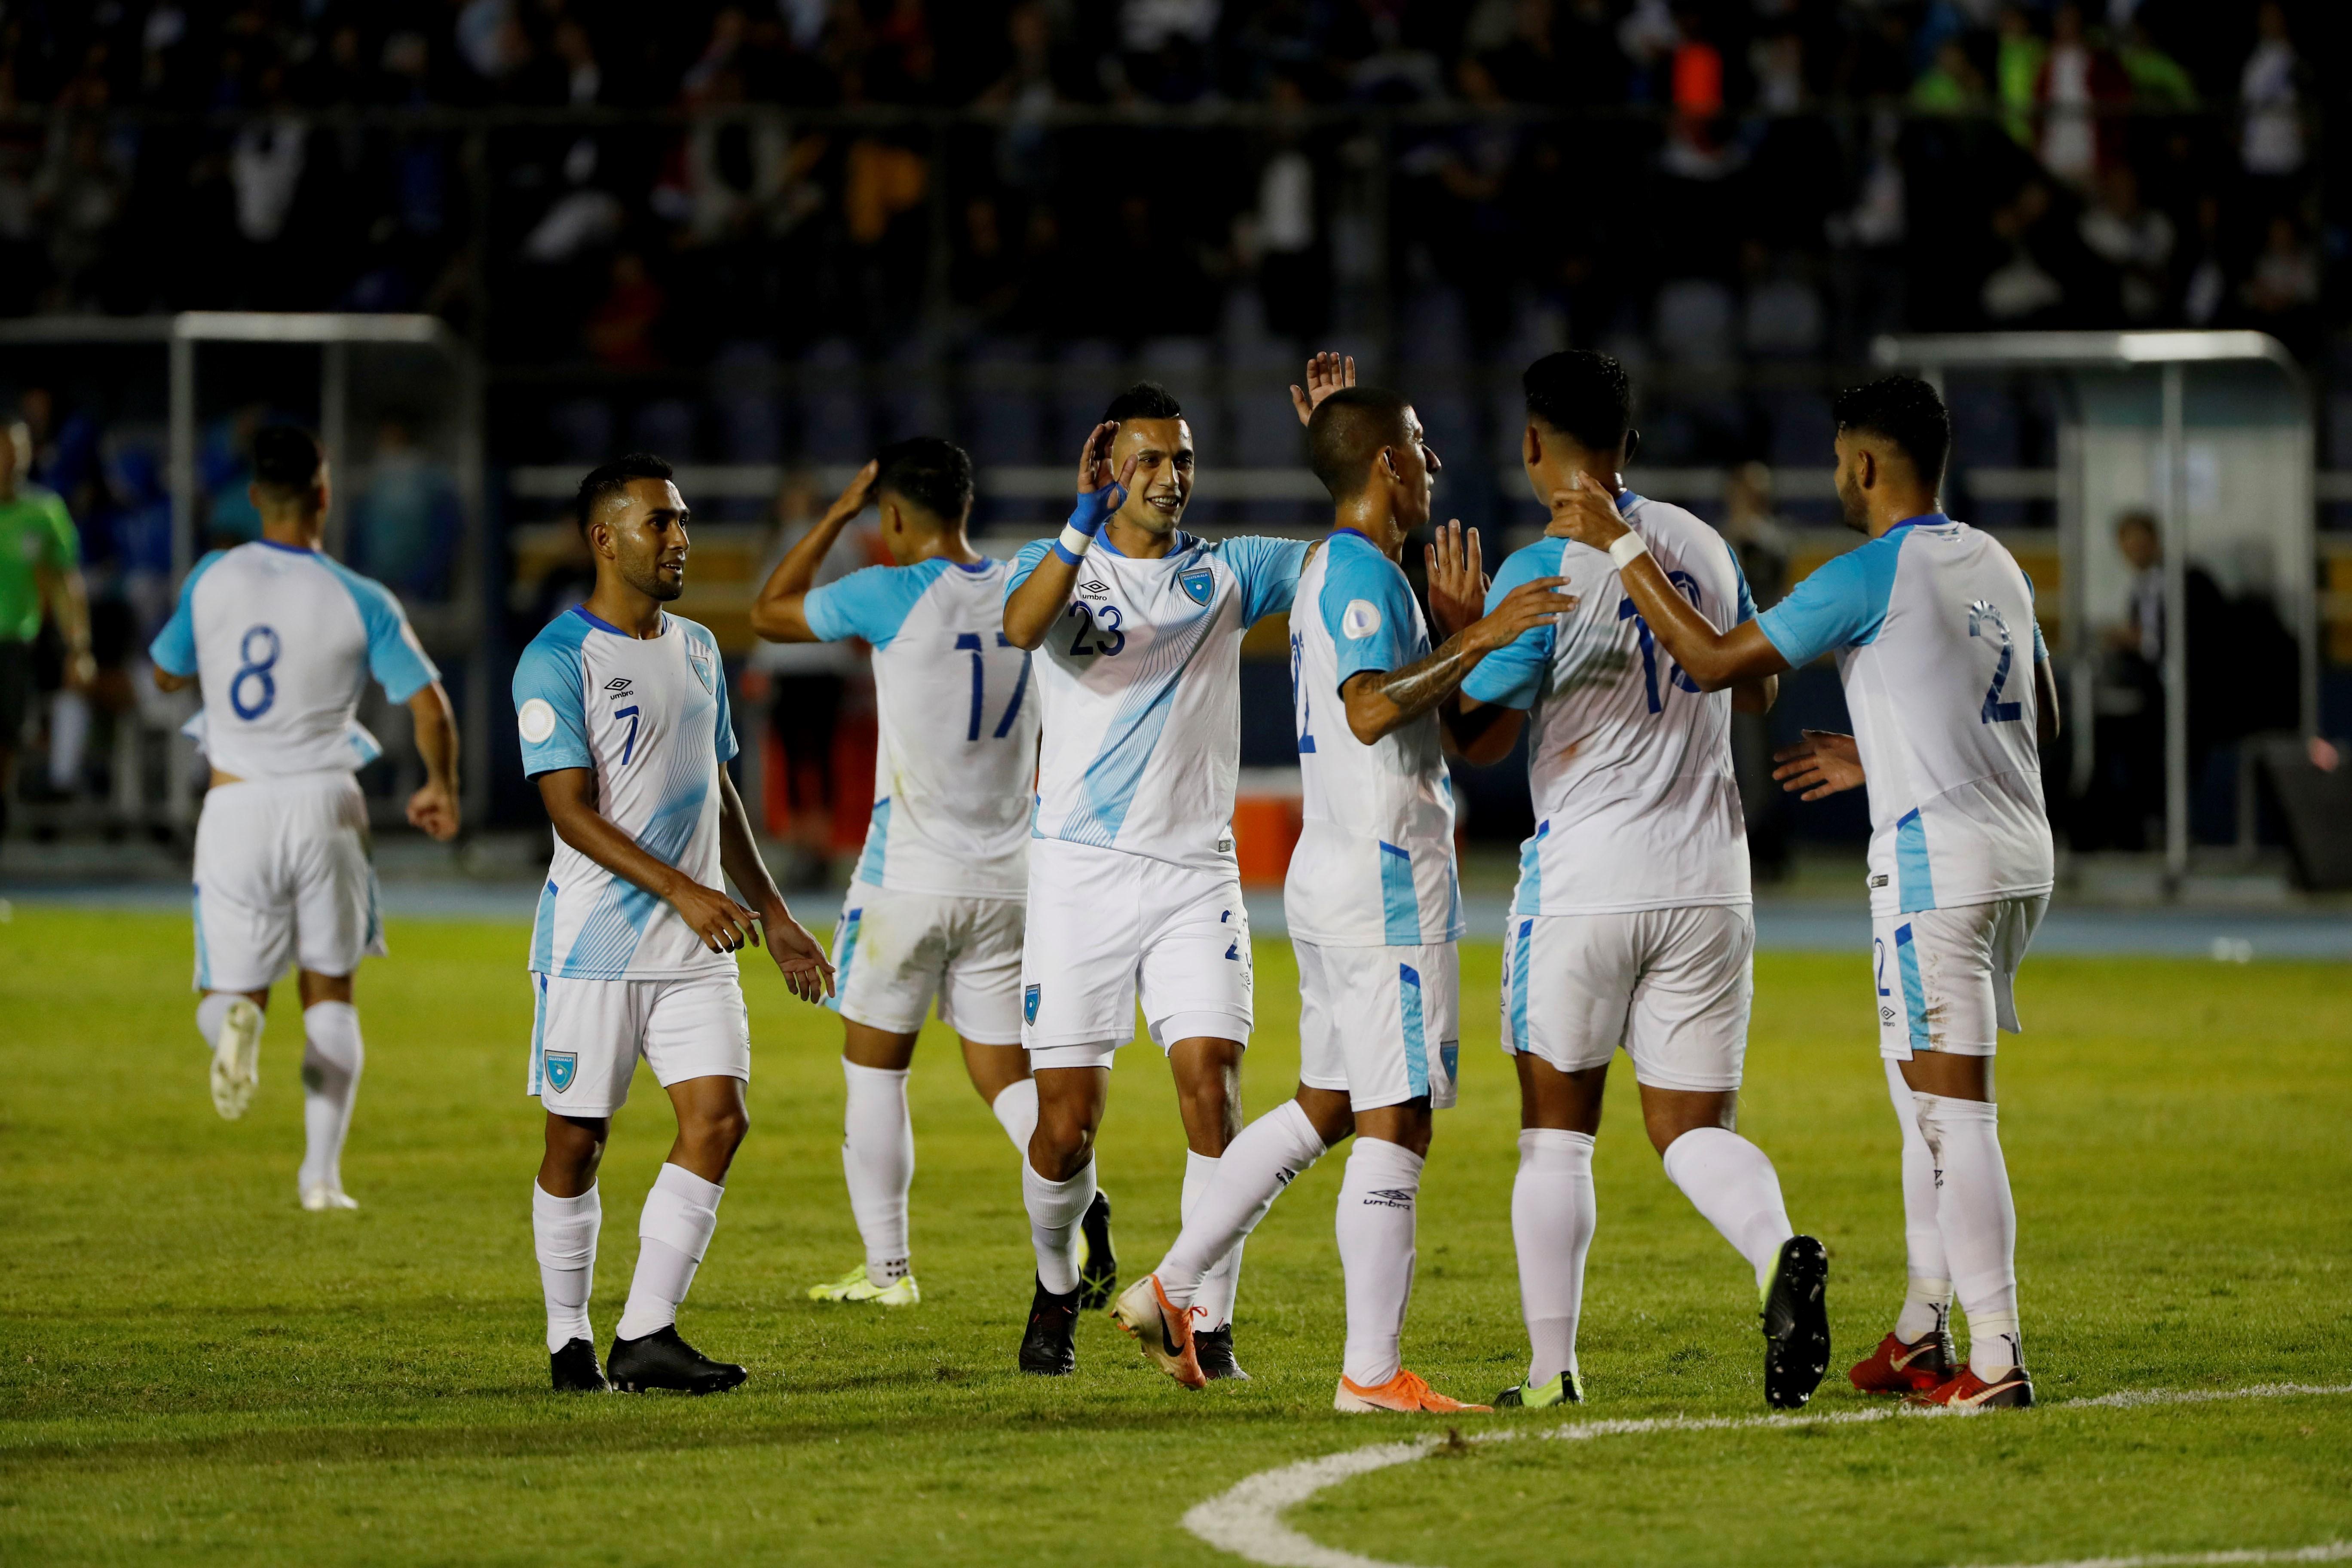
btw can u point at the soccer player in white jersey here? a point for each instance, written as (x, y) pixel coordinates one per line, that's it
(622, 708)
(1372, 898)
(1133, 888)
(935, 907)
(1632, 922)
(1932, 626)
(282, 637)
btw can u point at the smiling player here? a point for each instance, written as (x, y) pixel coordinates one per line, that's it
(623, 712)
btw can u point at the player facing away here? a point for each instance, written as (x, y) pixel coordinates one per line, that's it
(623, 712)
(1133, 886)
(281, 637)
(935, 906)
(1631, 923)
(1372, 898)
(1932, 626)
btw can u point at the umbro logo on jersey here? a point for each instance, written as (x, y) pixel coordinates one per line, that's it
(1094, 589)
(618, 687)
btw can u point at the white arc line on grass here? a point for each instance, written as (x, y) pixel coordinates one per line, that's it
(1246, 1520)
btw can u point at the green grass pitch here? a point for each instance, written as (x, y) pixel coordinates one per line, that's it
(195, 1371)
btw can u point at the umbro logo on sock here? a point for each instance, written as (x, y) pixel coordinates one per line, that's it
(1389, 1198)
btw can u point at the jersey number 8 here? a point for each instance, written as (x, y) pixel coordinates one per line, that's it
(256, 667)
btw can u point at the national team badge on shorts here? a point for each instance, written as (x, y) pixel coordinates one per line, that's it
(562, 1065)
(1029, 1003)
(1198, 584)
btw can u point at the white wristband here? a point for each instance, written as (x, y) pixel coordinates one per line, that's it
(1075, 544)
(1628, 549)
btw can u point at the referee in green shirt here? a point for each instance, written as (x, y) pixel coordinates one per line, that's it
(40, 568)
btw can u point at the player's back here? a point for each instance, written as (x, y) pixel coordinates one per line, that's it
(1628, 763)
(282, 639)
(1374, 862)
(1934, 630)
(958, 747)
(649, 717)
(1139, 680)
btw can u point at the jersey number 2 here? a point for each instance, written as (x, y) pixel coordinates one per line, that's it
(968, 642)
(1995, 711)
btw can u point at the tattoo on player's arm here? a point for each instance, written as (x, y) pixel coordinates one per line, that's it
(1381, 701)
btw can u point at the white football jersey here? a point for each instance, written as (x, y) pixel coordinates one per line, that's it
(1374, 865)
(649, 715)
(1932, 623)
(958, 747)
(1629, 763)
(281, 639)
(1138, 683)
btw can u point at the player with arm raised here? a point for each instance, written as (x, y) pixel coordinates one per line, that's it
(282, 637)
(1932, 626)
(1133, 886)
(1631, 922)
(1371, 900)
(935, 908)
(622, 709)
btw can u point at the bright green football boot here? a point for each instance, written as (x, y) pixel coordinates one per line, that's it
(1562, 1388)
(855, 1287)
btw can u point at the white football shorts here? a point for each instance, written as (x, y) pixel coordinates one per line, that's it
(282, 876)
(893, 951)
(1673, 986)
(587, 1036)
(1947, 979)
(1106, 927)
(1382, 1025)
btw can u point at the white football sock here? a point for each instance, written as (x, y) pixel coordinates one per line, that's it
(1218, 1286)
(877, 1156)
(1979, 1225)
(1552, 1219)
(563, 1230)
(1728, 1180)
(333, 1055)
(673, 1233)
(1015, 1109)
(1268, 1156)
(1377, 1200)
(211, 1012)
(1054, 1210)
(1927, 1298)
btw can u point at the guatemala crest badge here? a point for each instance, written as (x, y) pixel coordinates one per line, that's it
(561, 1068)
(1029, 1004)
(701, 663)
(1198, 584)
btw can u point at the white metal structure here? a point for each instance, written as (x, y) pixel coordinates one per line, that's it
(2193, 507)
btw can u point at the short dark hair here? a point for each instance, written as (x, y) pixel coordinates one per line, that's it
(935, 474)
(1907, 411)
(1583, 394)
(1347, 430)
(610, 481)
(286, 460)
(1144, 400)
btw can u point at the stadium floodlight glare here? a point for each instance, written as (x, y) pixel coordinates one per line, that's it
(2171, 354)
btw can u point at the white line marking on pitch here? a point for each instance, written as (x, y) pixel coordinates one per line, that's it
(1246, 1520)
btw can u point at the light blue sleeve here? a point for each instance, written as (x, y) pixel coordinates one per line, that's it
(725, 737)
(549, 672)
(1267, 570)
(1843, 604)
(1747, 601)
(871, 603)
(396, 659)
(2032, 598)
(1514, 676)
(1026, 562)
(1367, 606)
(174, 648)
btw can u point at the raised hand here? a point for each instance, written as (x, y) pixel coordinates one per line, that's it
(1524, 608)
(803, 963)
(1327, 372)
(1458, 587)
(1824, 762)
(1099, 492)
(724, 925)
(1586, 513)
(853, 499)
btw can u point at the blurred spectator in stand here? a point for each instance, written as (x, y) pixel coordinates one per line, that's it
(266, 161)
(80, 196)
(2126, 798)
(1757, 537)
(803, 686)
(2158, 81)
(407, 519)
(2135, 240)
(2272, 90)
(2207, 292)
(1953, 85)
(40, 584)
(2018, 70)
(2079, 86)
(619, 334)
(2282, 292)
(138, 538)
(1284, 234)
(1529, 67)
